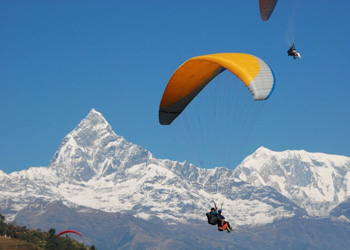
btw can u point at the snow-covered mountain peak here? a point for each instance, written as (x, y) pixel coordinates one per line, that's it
(315, 181)
(95, 120)
(262, 150)
(92, 149)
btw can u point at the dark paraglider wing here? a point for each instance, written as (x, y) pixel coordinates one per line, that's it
(266, 8)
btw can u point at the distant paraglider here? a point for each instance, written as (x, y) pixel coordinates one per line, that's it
(68, 231)
(293, 52)
(266, 8)
(194, 74)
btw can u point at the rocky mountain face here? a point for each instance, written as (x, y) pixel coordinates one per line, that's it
(96, 171)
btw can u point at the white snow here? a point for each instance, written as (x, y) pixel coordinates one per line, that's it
(314, 181)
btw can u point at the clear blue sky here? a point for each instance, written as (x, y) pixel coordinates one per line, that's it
(60, 59)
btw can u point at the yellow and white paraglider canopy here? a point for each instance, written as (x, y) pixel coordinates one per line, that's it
(194, 74)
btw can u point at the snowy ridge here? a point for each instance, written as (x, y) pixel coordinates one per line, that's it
(315, 181)
(95, 168)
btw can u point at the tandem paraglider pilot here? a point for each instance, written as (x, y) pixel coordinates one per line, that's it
(216, 218)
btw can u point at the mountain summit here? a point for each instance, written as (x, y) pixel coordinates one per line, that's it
(92, 149)
(315, 181)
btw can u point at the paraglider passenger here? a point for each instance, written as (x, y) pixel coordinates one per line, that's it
(223, 225)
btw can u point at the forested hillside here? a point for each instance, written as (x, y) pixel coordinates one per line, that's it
(15, 237)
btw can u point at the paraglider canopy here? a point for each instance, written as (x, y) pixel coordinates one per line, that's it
(68, 231)
(194, 74)
(266, 8)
